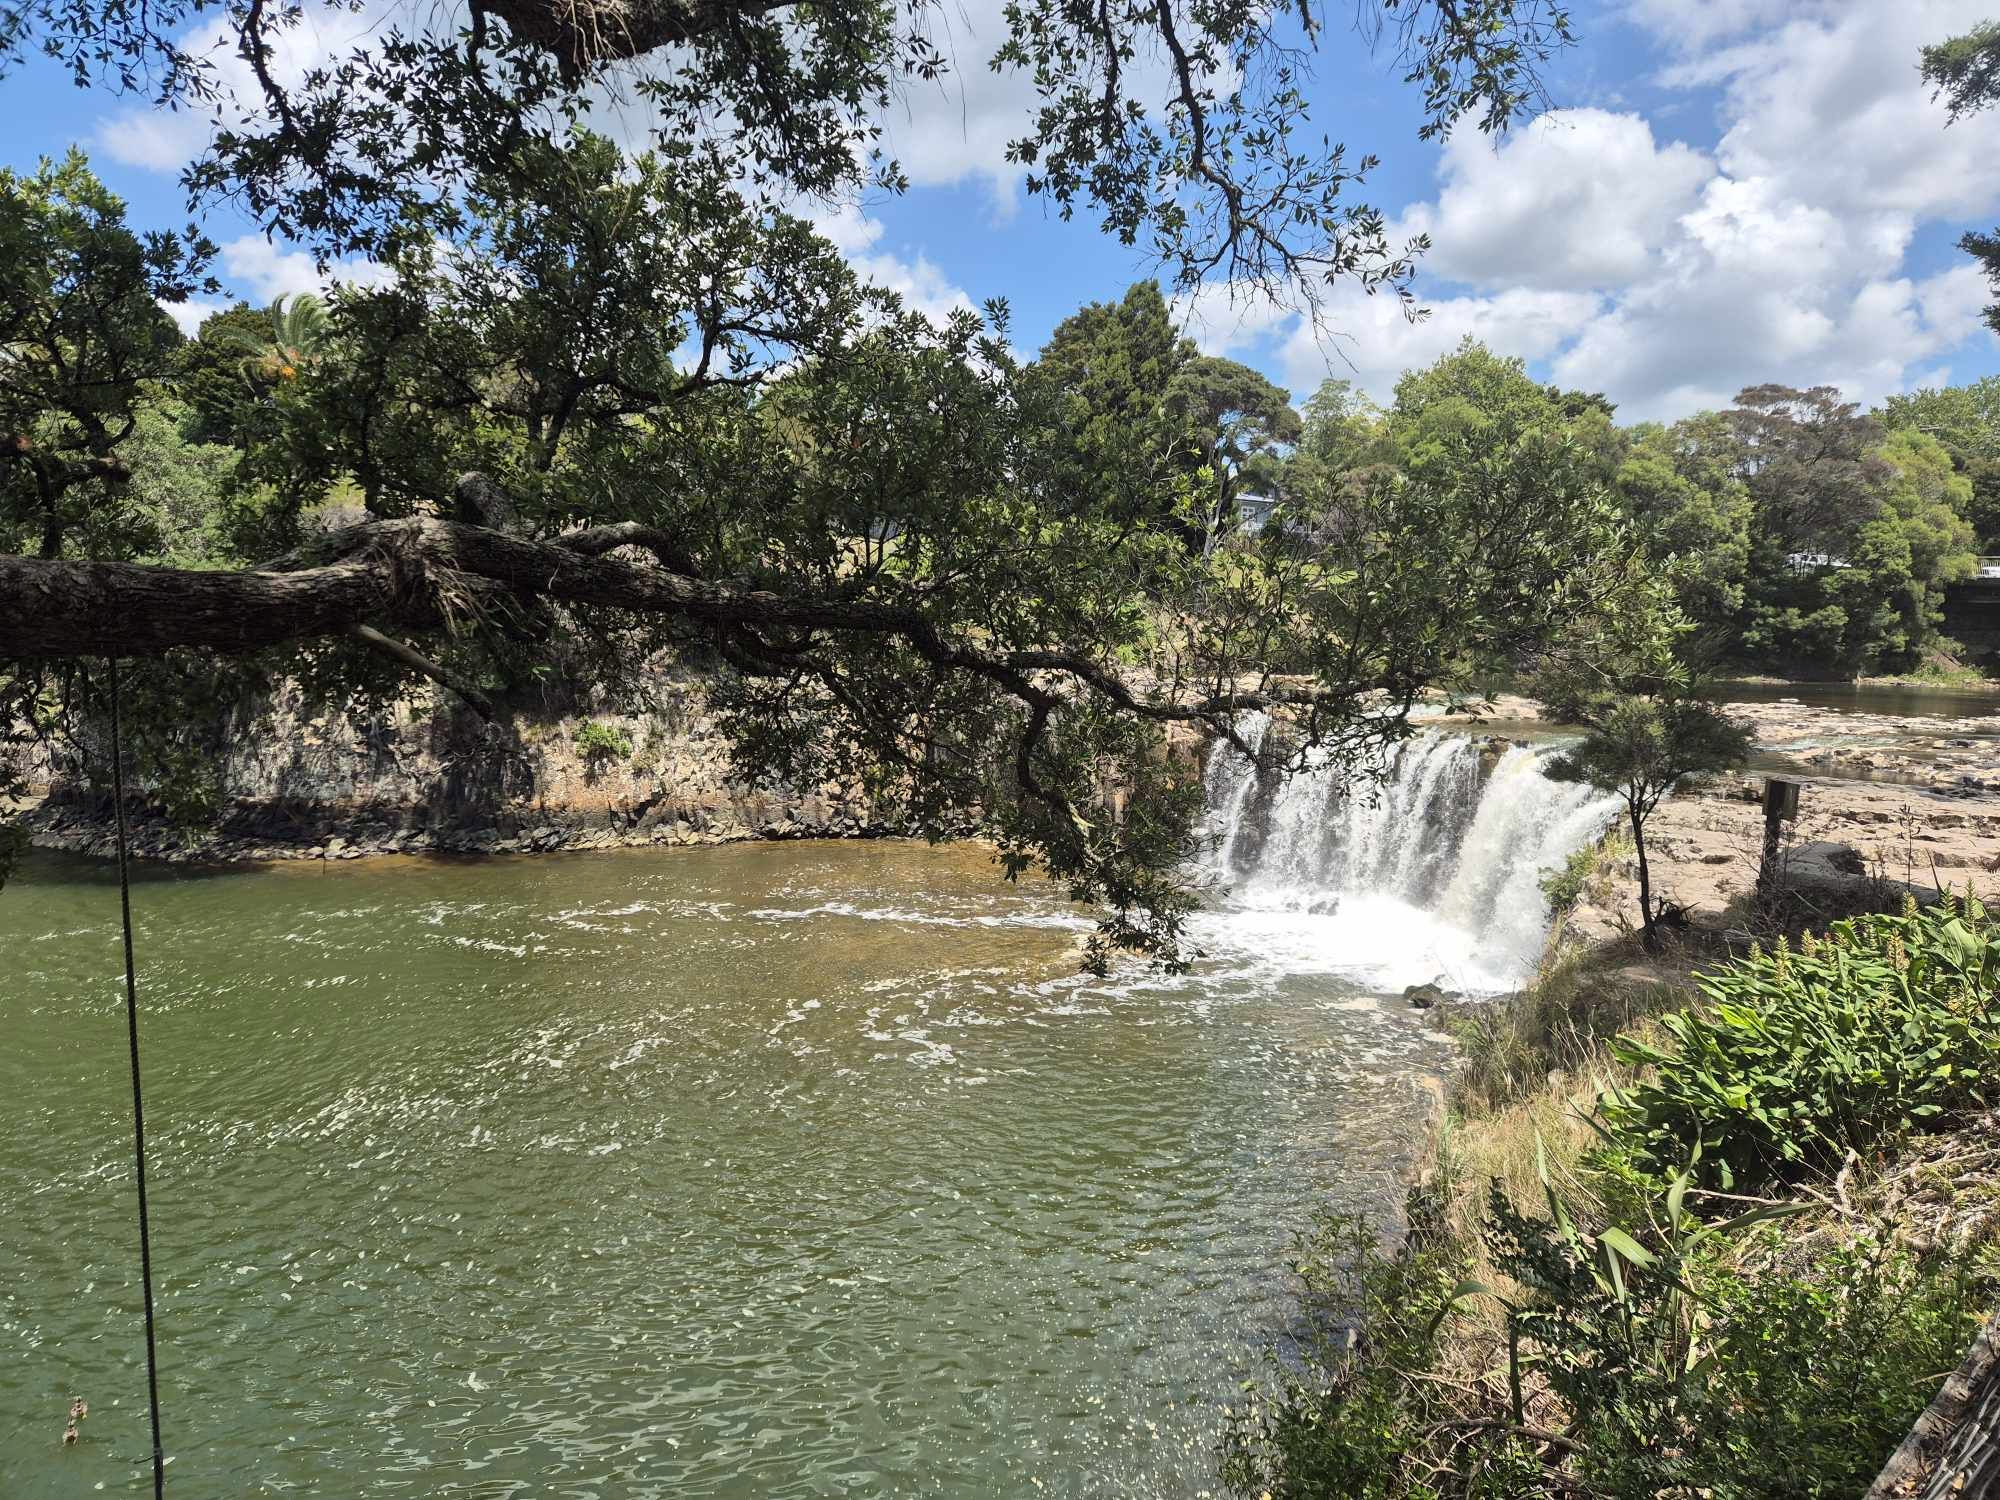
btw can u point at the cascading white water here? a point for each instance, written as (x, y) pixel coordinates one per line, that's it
(1431, 872)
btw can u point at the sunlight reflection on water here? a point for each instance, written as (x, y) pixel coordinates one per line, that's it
(777, 1170)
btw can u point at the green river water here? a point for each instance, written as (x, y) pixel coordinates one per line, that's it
(776, 1170)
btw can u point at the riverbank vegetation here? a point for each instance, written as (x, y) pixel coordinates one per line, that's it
(1806, 537)
(1719, 1240)
(596, 401)
(986, 588)
(817, 512)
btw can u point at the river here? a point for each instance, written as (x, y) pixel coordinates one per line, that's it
(782, 1169)
(1890, 699)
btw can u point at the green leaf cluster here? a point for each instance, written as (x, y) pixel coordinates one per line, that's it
(1805, 535)
(600, 743)
(84, 341)
(1966, 420)
(1883, 1028)
(1669, 1356)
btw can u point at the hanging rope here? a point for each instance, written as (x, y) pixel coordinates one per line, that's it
(138, 1111)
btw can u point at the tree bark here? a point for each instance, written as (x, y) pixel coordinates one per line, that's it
(423, 573)
(1953, 1451)
(584, 33)
(1648, 934)
(410, 573)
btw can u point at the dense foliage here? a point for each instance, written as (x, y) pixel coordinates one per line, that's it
(1161, 430)
(1965, 419)
(84, 339)
(983, 586)
(1629, 1324)
(1884, 1027)
(1689, 1363)
(1801, 534)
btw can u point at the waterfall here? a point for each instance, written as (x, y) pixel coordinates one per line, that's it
(1431, 871)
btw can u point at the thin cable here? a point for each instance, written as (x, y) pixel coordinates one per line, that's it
(138, 1110)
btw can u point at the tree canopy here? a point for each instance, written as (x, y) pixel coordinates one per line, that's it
(1184, 130)
(1803, 534)
(613, 400)
(554, 435)
(1107, 369)
(1966, 419)
(82, 331)
(1237, 423)
(1964, 71)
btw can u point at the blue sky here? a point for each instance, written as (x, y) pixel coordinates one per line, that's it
(1730, 191)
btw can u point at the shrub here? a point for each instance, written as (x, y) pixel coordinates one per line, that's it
(1628, 1365)
(1674, 1371)
(1507, 1048)
(1884, 1027)
(1344, 1407)
(598, 743)
(1565, 887)
(1824, 1372)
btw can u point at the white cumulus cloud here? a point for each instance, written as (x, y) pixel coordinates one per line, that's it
(264, 272)
(1577, 198)
(1668, 275)
(188, 316)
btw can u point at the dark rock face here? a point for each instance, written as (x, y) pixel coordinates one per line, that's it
(1425, 996)
(425, 779)
(256, 834)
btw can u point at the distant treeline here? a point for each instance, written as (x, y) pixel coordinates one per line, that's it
(1804, 534)
(1801, 533)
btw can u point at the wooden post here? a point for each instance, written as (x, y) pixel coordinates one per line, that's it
(1781, 806)
(1953, 1452)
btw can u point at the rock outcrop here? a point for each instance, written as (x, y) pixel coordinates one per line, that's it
(1704, 848)
(422, 778)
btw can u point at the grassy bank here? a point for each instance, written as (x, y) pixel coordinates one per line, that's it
(1723, 1238)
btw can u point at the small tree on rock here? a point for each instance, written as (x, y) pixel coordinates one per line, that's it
(1641, 746)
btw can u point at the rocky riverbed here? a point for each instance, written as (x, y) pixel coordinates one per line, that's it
(1959, 758)
(1704, 848)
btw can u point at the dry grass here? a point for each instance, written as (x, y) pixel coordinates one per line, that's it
(1559, 1025)
(1521, 1104)
(1521, 1101)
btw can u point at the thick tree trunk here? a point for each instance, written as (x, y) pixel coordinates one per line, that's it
(421, 574)
(412, 573)
(584, 33)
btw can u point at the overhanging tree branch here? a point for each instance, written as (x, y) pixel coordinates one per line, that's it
(419, 573)
(392, 571)
(411, 659)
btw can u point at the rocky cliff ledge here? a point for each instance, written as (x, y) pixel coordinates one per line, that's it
(1903, 799)
(422, 779)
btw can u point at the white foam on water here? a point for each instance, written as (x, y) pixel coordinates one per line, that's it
(1433, 872)
(915, 917)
